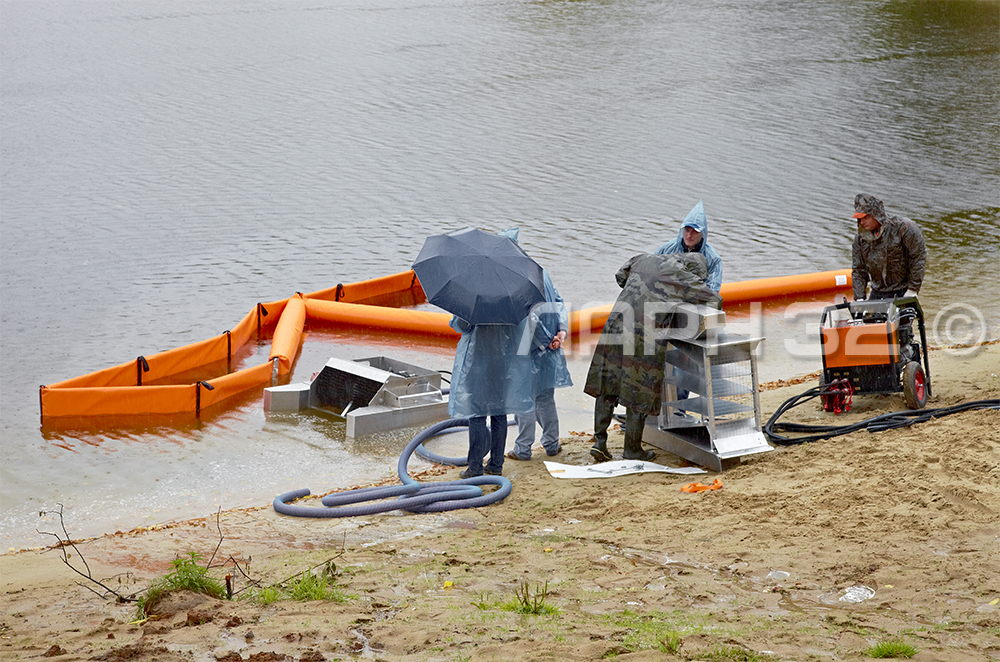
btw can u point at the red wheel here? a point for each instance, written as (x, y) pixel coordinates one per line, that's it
(914, 386)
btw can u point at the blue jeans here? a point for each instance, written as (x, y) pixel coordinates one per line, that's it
(482, 441)
(545, 415)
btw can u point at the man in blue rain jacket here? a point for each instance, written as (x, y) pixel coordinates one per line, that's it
(548, 326)
(693, 238)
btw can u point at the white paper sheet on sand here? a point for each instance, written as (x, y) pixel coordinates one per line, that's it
(612, 469)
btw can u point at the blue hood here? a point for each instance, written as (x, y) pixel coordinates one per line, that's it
(695, 219)
(511, 234)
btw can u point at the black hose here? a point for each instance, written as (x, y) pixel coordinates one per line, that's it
(890, 421)
(412, 496)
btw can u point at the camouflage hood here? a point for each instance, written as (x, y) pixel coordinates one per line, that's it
(869, 204)
(893, 259)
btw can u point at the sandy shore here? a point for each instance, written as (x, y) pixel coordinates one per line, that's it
(809, 552)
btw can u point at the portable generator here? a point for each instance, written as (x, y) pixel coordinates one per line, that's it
(870, 347)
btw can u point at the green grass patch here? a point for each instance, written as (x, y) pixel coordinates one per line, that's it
(891, 648)
(304, 587)
(316, 583)
(734, 654)
(186, 576)
(656, 630)
(264, 596)
(665, 632)
(486, 603)
(308, 586)
(530, 602)
(526, 601)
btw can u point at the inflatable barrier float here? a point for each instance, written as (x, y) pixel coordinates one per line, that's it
(161, 383)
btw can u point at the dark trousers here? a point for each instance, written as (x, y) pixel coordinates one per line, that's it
(481, 441)
(635, 422)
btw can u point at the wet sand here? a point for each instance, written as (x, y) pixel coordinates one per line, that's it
(814, 551)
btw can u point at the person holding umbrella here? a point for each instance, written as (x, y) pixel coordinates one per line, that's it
(622, 370)
(489, 285)
(489, 379)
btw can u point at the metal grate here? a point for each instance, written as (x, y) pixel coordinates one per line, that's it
(341, 390)
(734, 386)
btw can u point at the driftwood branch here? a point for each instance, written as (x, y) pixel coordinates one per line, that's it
(63, 541)
(330, 566)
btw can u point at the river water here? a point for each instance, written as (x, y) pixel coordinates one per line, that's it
(166, 166)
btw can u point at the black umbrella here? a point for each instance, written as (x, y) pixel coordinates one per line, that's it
(481, 277)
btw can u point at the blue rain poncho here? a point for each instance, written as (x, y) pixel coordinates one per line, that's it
(548, 366)
(696, 219)
(490, 377)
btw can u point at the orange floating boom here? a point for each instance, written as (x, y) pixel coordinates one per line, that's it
(747, 291)
(741, 292)
(140, 386)
(396, 319)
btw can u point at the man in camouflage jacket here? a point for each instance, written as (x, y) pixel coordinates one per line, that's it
(623, 371)
(888, 252)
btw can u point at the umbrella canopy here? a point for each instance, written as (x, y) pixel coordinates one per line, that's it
(481, 277)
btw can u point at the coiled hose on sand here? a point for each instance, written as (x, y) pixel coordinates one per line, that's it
(411, 496)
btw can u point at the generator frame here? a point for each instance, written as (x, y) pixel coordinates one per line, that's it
(871, 345)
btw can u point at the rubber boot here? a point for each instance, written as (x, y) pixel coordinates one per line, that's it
(600, 450)
(604, 409)
(640, 454)
(634, 423)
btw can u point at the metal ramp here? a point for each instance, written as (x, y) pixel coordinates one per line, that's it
(372, 394)
(720, 420)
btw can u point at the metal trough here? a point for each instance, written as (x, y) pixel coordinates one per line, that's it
(373, 395)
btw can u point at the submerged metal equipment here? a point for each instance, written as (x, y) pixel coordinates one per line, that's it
(711, 403)
(373, 394)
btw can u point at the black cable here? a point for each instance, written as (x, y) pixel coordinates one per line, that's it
(890, 421)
